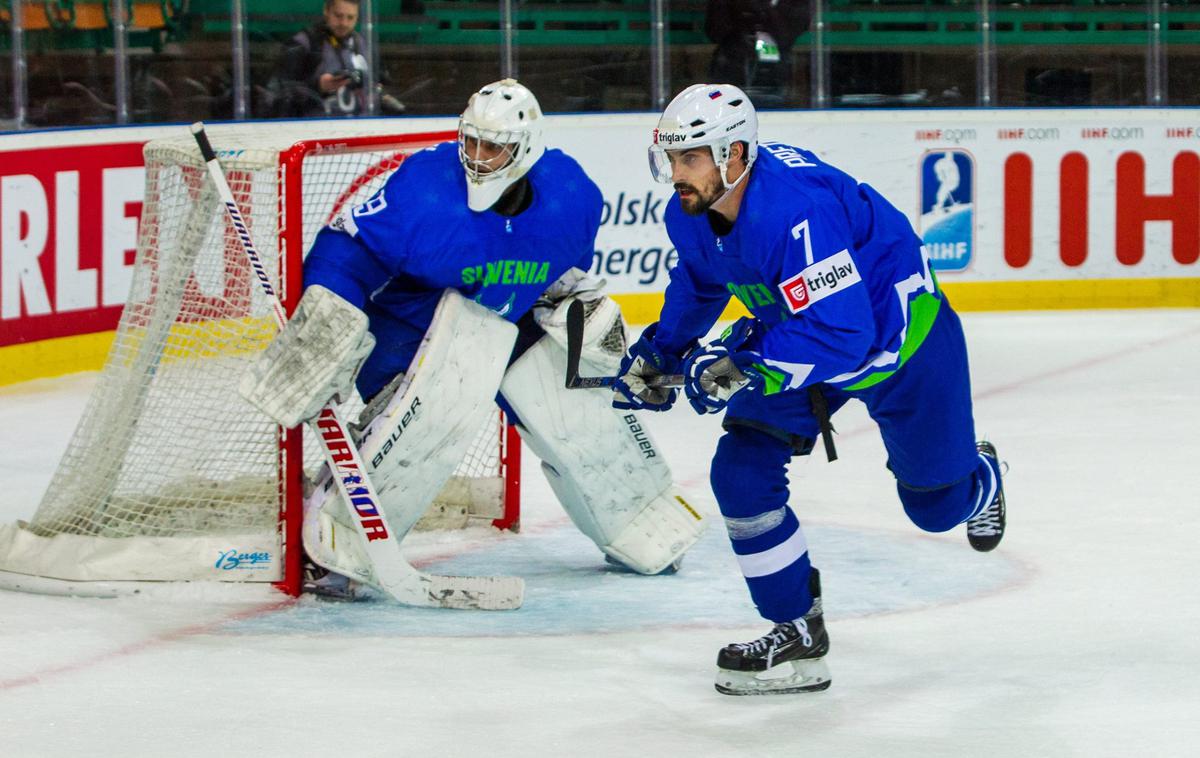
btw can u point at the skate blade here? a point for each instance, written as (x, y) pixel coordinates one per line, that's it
(334, 594)
(784, 679)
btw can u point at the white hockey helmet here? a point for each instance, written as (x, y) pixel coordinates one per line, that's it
(716, 115)
(503, 113)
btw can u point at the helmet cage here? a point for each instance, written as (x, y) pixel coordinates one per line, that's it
(514, 143)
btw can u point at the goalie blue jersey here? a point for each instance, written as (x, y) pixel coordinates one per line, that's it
(395, 254)
(834, 272)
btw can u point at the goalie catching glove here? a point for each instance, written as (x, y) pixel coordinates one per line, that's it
(714, 374)
(576, 283)
(603, 340)
(314, 358)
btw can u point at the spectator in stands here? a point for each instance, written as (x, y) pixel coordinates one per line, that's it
(324, 68)
(754, 42)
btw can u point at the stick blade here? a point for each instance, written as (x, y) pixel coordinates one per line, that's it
(575, 319)
(472, 593)
(479, 593)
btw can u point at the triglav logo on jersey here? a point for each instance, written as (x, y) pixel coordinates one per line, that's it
(947, 224)
(819, 281)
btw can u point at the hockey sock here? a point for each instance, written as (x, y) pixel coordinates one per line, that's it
(749, 479)
(942, 509)
(987, 480)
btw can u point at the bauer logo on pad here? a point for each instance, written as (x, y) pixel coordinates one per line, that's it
(819, 281)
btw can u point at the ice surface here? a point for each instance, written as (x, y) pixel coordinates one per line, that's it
(1077, 637)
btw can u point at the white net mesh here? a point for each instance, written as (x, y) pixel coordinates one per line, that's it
(166, 447)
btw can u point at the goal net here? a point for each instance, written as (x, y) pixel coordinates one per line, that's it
(171, 475)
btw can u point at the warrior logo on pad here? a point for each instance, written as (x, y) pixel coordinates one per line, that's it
(820, 280)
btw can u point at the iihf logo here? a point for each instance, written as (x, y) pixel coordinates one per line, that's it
(947, 223)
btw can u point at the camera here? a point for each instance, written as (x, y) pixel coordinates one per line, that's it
(355, 75)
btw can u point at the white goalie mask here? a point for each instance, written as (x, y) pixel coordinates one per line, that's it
(504, 117)
(716, 115)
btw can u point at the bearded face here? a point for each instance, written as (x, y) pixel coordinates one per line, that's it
(696, 178)
(697, 196)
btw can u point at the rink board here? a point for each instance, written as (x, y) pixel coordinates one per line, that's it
(1021, 209)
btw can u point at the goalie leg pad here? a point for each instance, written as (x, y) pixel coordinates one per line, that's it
(331, 540)
(658, 535)
(602, 464)
(413, 446)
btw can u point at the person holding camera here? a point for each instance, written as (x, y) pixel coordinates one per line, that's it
(324, 66)
(754, 45)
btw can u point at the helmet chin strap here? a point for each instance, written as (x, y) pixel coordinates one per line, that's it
(729, 186)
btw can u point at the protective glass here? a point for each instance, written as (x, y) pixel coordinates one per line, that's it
(660, 164)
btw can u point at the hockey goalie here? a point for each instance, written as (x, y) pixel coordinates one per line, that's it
(447, 291)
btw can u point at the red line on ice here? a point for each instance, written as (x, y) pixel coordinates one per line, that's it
(146, 644)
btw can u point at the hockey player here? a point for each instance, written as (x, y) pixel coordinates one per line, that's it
(844, 307)
(462, 242)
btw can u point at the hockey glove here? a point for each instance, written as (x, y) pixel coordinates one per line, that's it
(714, 374)
(644, 362)
(574, 283)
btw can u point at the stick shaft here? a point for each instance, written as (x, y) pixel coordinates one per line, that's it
(575, 325)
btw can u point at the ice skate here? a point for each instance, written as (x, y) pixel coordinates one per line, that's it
(985, 530)
(327, 584)
(788, 659)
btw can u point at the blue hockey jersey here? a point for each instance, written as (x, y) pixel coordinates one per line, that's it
(394, 255)
(835, 273)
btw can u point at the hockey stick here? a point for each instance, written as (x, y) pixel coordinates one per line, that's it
(395, 576)
(575, 319)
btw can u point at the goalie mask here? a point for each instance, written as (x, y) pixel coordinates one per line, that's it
(499, 140)
(712, 115)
